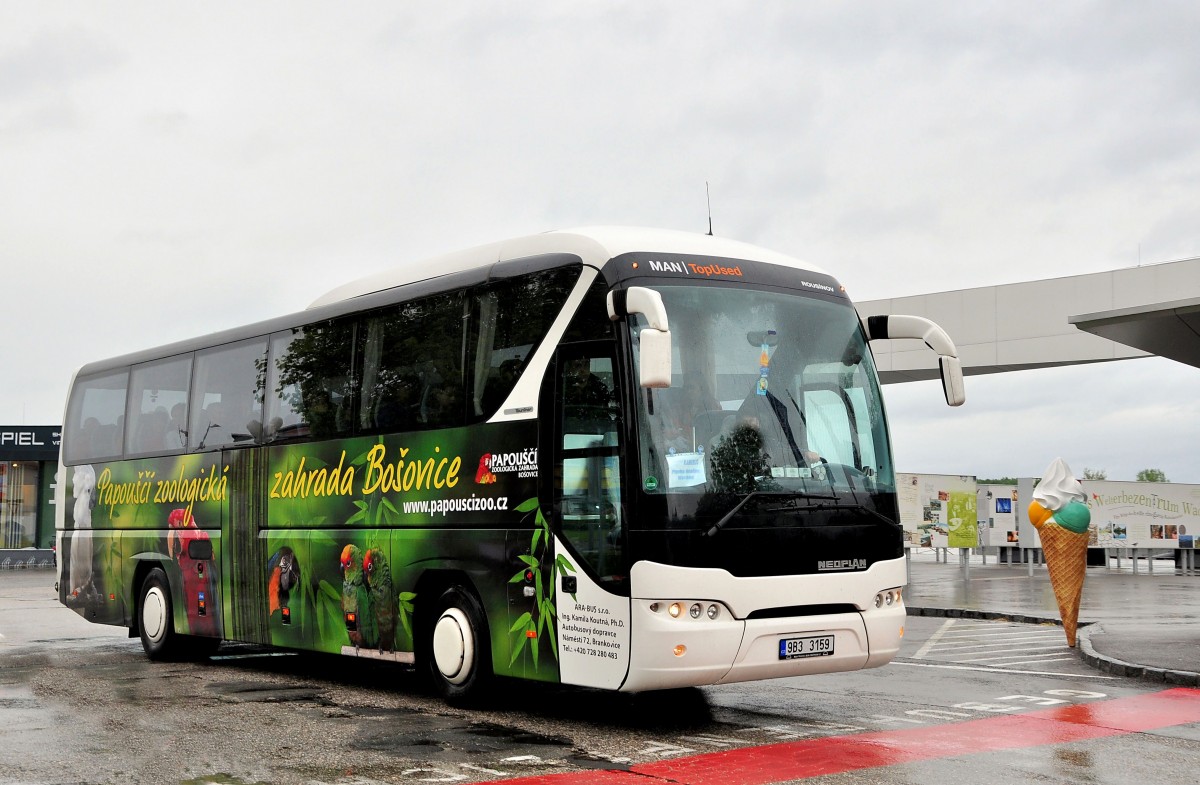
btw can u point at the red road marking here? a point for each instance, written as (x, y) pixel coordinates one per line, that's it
(835, 754)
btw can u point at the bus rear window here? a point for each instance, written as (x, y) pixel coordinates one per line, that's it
(95, 419)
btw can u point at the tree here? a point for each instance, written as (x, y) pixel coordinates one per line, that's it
(1151, 475)
(1094, 474)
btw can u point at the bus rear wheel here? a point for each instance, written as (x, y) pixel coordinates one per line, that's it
(458, 649)
(156, 618)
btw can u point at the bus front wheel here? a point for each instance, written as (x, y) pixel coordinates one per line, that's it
(458, 650)
(156, 619)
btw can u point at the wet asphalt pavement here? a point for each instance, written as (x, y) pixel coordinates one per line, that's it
(79, 703)
(1144, 624)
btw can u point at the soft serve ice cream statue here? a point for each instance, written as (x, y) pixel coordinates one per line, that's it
(1060, 513)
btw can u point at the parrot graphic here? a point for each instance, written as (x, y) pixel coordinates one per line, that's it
(283, 576)
(383, 597)
(80, 572)
(356, 599)
(195, 573)
(483, 475)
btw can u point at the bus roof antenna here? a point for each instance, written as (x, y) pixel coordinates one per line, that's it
(708, 197)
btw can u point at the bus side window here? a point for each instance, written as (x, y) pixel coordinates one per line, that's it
(227, 397)
(310, 382)
(155, 390)
(412, 366)
(509, 319)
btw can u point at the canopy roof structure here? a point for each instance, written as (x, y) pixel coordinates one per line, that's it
(1170, 330)
(1099, 317)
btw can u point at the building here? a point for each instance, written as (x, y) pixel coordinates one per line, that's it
(28, 463)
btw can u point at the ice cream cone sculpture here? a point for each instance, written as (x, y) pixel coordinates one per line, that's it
(1061, 516)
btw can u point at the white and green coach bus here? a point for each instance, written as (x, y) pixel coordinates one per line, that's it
(619, 458)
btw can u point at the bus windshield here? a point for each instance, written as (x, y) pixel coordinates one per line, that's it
(772, 391)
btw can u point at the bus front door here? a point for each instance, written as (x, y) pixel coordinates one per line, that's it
(590, 570)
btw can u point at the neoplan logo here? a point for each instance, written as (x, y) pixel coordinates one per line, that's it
(841, 564)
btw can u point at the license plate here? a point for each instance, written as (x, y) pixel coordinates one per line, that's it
(799, 648)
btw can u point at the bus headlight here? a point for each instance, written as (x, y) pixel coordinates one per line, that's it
(698, 610)
(887, 598)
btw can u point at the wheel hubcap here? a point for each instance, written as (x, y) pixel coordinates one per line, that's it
(453, 646)
(154, 614)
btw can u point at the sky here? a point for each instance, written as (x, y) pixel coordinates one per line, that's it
(168, 170)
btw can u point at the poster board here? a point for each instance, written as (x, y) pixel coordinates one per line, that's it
(938, 510)
(998, 516)
(1142, 514)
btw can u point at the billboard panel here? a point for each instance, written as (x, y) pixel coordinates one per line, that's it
(938, 510)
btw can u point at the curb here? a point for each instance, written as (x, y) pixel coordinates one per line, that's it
(1087, 652)
(1106, 664)
(959, 613)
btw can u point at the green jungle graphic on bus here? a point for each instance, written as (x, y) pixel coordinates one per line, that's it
(341, 532)
(156, 510)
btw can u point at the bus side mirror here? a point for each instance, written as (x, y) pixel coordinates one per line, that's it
(654, 342)
(890, 326)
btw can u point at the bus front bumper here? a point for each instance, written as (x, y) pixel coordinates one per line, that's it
(682, 650)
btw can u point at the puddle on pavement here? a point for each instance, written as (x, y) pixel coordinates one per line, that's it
(219, 779)
(252, 692)
(427, 737)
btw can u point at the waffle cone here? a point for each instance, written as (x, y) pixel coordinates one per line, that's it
(1066, 560)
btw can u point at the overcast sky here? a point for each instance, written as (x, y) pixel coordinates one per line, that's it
(171, 169)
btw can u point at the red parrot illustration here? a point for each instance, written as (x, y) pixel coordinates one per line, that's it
(195, 573)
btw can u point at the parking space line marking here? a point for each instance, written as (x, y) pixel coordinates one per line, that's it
(1000, 644)
(1057, 654)
(933, 639)
(1003, 633)
(1059, 659)
(998, 670)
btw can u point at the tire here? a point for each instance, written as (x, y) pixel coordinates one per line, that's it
(156, 618)
(457, 647)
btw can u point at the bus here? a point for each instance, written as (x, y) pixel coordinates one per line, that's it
(617, 458)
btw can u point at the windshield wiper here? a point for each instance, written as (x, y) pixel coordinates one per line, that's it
(716, 527)
(791, 502)
(853, 506)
